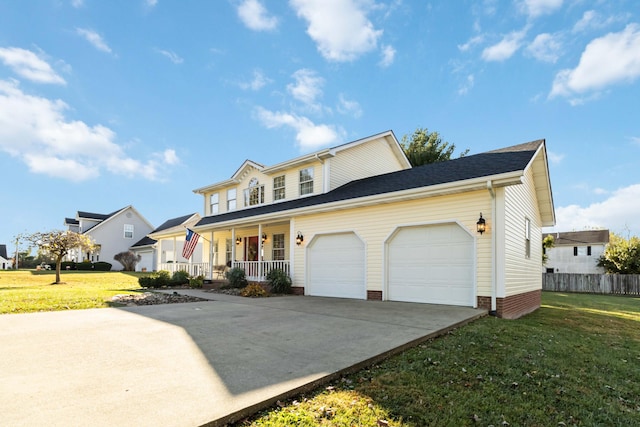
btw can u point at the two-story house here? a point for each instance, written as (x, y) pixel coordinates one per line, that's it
(112, 233)
(5, 263)
(357, 221)
(576, 251)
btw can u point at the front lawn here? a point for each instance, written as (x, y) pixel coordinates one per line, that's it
(576, 361)
(25, 291)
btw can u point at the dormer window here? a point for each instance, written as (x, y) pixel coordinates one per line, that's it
(254, 195)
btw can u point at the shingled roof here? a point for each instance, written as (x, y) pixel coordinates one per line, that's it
(174, 222)
(584, 237)
(505, 160)
(145, 241)
(3, 251)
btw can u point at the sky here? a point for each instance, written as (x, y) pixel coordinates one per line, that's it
(106, 104)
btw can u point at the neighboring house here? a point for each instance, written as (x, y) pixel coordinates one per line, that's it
(146, 248)
(5, 262)
(169, 243)
(112, 233)
(576, 251)
(356, 221)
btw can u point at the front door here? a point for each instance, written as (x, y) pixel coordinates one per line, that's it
(251, 248)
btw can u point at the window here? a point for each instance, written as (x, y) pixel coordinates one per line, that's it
(231, 199)
(254, 195)
(527, 238)
(213, 204)
(588, 250)
(278, 188)
(128, 231)
(278, 247)
(306, 181)
(575, 251)
(582, 251)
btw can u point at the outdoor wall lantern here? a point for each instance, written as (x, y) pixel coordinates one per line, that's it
(238, 240)
(299, 238)
(264, 237)
(481, 224)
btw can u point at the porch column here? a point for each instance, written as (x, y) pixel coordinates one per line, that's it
(175, 254)
(211, 243)
(233, 246)
(260, 251)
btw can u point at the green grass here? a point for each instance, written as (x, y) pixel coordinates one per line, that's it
(576, 361)
(25, 291)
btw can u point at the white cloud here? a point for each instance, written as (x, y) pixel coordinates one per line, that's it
(349, 107)
(307, 87)
(77, 3)
(616, 213)
(258, 82)
(593, 20)
(467, 85)
(613, 58)
(173, 57)
(506, 47)
(545, 47)
(170, 157)
(28, 65)
(473, 41)
(255, 16)
(35, 130)
(388, 56)
(94, 38)
(340, 28)
(535, 8)
(309, 136)
(151, 3)
(555, 158)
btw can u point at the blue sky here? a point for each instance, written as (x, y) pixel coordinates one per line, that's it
(138, 102)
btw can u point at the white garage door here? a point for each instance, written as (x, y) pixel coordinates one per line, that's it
(431, 264)
(335, 266)
(146, 261)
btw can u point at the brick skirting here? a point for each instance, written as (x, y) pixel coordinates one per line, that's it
(514, 306)
(297, 290)
(374, 295)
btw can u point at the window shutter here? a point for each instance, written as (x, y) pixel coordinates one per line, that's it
(575, 251)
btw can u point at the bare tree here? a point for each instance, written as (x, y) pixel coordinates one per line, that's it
(128, 260)
(58, 243)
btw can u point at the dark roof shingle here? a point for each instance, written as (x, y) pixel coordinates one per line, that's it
(509, 159)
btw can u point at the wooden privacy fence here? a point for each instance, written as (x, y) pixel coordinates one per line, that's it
(613, 284)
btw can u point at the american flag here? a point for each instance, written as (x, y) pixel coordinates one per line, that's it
(190, 243)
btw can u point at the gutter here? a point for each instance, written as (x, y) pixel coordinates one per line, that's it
(494, 251)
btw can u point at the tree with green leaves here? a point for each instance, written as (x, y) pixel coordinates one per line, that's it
(59, 243)
(621, 256)
(547, 243)
(424, 147)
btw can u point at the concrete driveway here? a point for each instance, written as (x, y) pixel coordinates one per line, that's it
(195, 364)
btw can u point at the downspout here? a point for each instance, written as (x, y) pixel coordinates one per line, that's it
(494, 252)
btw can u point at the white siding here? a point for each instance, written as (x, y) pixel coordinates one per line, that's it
(372, 158)
(521, 274)
(563, 260)
(376, 223)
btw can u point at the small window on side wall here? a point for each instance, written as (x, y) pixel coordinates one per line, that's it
(128, 231)
(213, 204)
(306, 181)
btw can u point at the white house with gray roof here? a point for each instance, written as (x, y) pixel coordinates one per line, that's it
(112, 233)
(576, 251)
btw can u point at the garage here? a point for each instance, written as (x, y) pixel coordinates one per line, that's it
(336, 267)
(431, 264)
(146, 261)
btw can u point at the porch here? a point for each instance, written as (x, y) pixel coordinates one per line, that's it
(254, 270)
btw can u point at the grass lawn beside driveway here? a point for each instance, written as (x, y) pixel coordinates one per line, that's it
(576, 361)
(25, 291)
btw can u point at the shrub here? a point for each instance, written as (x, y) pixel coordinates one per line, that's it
(102, 266)
(237, 278)
(196, 282)
(254, 290)
(84, 266)
(180, 278)
(156, 280)
(279, 281)
(65, 264)
(128, 259)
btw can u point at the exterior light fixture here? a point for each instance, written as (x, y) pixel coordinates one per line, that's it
(299, 238)
(238, 240)
(481, 224)
(264, 237)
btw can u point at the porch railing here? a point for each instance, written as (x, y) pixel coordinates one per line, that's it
(254, 270)
(194, 269)
(257, 270)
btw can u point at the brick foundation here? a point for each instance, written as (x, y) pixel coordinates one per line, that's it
(514, 306)
(374, 295)
(297, 290)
